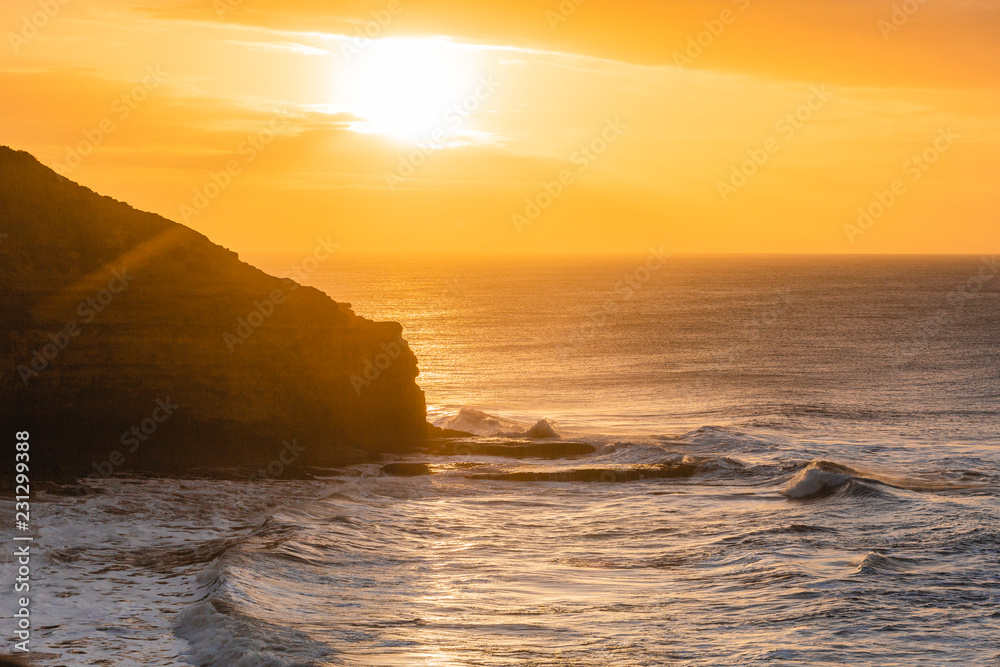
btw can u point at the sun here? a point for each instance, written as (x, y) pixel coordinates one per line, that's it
(404, 88)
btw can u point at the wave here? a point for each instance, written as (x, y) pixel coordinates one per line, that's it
(711, 451)
(635, 452)
(221, 628)
(543, 428)
(876, 562)
(478, 422)
(604, 475)
(220, 634)
(715, 452)
(823, 478)
(168, 559)
(819, 479)
(723, 438)
(667, 465)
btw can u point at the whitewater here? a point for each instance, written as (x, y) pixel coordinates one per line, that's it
(723, 461)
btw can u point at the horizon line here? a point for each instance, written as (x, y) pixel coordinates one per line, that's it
(587, 253)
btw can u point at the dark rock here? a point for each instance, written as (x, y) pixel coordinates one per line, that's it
(283, 391)
(406, 469)
(601, 475)
(514, 450)
(438, 432)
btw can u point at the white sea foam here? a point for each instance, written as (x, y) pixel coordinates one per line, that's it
(817, 478)
(478, 422)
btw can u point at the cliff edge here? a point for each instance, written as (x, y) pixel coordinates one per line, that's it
(133, 343)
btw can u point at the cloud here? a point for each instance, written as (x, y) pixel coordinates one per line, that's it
(281, 47)
(943, 44)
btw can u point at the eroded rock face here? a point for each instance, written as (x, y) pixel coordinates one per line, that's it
(130, 342)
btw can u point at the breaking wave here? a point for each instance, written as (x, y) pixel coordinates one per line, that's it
(478, 422)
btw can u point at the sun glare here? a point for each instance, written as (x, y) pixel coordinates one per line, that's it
(407, 88)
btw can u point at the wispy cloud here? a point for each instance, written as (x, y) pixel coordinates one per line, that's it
(281, 47)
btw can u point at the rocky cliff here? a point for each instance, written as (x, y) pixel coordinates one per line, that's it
(133, 343)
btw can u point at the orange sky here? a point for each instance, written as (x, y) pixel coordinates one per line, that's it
(583, 125)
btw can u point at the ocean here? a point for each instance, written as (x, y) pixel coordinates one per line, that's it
(794, 461)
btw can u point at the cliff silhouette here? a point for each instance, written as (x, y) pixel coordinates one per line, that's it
(133, 343)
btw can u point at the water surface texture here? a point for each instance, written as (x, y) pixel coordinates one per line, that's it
(791, 461)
